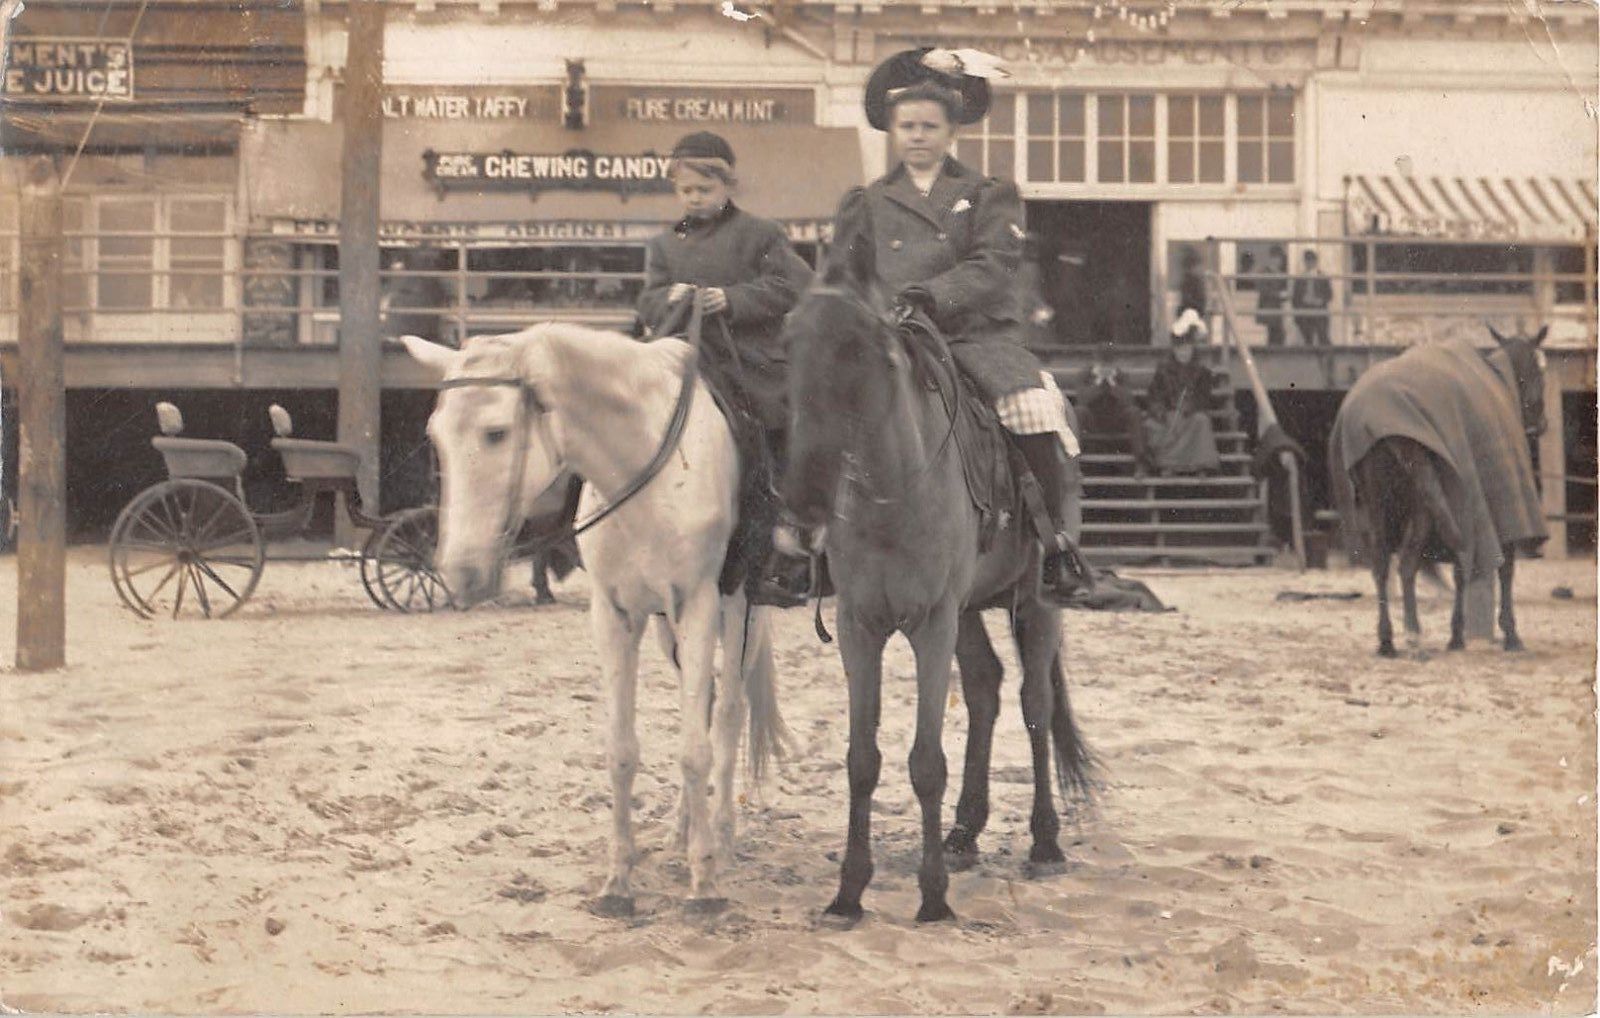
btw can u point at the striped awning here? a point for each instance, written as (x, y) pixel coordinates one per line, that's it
(1528, 209)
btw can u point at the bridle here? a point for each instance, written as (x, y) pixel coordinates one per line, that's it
(530, 406)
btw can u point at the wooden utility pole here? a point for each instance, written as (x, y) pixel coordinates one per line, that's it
(42, 401)
(360, 328)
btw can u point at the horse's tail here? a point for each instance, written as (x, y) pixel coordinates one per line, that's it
(1077, 769)
(769, 736)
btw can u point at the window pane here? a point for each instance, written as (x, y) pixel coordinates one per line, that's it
(1250, 113)
(131, 290)
(74, 281)
(139, 248)
(1111, 162)
(1249, 162)
(204, 216)
(1211, 163)
(1072, 159)
(1040, 114)
(1280, 115)
(1041, 160)
(1110, 115)
(1211, 115)
(127, 216)
(1180, 162)
(970, 151)
(1003, 114)
(1002, 159)
(1280, 162)
(197, 291)
(1142, 115)
(1180, 115)
(1142, 161)
(203, 248)
(1072, 114)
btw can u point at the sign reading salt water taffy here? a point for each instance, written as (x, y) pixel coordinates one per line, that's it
(55, 68)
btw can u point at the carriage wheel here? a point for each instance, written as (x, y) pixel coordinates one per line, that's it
(402, 562)
(185, 548)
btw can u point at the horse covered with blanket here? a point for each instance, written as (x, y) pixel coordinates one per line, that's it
(1434, 444)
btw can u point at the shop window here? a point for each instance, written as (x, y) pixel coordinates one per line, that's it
(1568, 261)
(1057, 136)
(75, 275)
(125, 255)
(197, 254)
(1127, 145)
(569, 276)
(1195, 139)
(1266, 139)
(1444, 268)
(989, 146)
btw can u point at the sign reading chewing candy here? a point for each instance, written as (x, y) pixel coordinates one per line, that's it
(575, 170)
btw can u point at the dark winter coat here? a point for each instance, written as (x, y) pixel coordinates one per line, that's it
(751, 260)
(1185, 388)
(962, 245)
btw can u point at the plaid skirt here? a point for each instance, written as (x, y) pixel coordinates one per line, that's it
(1038, 411)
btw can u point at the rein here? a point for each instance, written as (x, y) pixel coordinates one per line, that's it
(669, 441)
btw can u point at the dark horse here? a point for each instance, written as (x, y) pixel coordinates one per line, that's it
(875, 477)
(1401, 500)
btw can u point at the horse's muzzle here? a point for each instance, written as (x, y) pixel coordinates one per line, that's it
(470, 584)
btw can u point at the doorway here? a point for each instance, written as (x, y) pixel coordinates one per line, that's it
(1094, 259)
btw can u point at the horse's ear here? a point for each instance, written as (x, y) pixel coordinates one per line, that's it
(1496, 334)
(434, 356)
(1538, 337)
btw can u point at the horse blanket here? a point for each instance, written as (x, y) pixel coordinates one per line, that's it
(1462, 407)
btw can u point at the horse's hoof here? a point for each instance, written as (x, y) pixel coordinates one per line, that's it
(935, 912)
(612, 906)
(1456, 645)
(838, 916)
(1036, 869)
(705, 906)
(960, 861)
(1387, 650)
(1515, 646)
(544, 599)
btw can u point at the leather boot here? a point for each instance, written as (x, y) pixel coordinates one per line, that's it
(1064, 571)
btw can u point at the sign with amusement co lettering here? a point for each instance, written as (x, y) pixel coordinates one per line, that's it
(575, 170)
(1069, 51)
(673, 105)
(55, 68)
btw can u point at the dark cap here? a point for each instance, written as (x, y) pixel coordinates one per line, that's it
(703, 145)
(906, 69)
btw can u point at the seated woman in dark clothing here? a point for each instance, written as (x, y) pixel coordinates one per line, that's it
(1178, 428)
(1111, 409)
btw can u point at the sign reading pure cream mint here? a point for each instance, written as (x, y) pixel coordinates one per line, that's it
(576, 170)
(705, 106)
(52, 68)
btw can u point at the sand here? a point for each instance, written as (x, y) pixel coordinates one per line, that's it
(318, 807)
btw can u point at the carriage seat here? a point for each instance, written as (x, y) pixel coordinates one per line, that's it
(305, 459)
(204, 458)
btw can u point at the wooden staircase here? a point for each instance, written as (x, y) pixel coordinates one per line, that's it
(1216, 520)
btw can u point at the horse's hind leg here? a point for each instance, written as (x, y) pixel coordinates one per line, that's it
(981, 672)
(696, 627)
(1380, 579)
(1458, 613)
(541, 579)
(616, 636)
(1038, 631)
(1508, 618)
(1411, 545)
(727, 718)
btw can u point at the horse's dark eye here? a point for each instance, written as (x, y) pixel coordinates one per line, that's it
(494, 436)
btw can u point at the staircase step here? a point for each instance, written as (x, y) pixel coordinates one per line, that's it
(1099, 458)
(1159, 504)
(1093, 527)
(1199, 555)
(1101, 481)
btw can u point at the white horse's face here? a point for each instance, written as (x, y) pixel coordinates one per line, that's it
(497, 453)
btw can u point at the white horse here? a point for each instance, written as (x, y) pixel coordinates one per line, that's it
(513, 413)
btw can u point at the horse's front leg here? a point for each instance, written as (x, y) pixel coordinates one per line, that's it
(862, 651)
(1458, 611)
(981, 673)
(935, 644)
(1508, 618)
(1411, 546)
(1380, 579)
(616, 637)
(696, 629)
(1037, 627)
(728, 716)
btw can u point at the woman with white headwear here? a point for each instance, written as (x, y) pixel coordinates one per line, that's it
(1178, 430)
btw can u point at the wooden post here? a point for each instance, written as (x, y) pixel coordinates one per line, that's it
(1553, 466)
(42, 401)
(360, 326)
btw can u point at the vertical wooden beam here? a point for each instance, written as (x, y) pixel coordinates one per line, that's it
(42, 401)
(360, 324)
